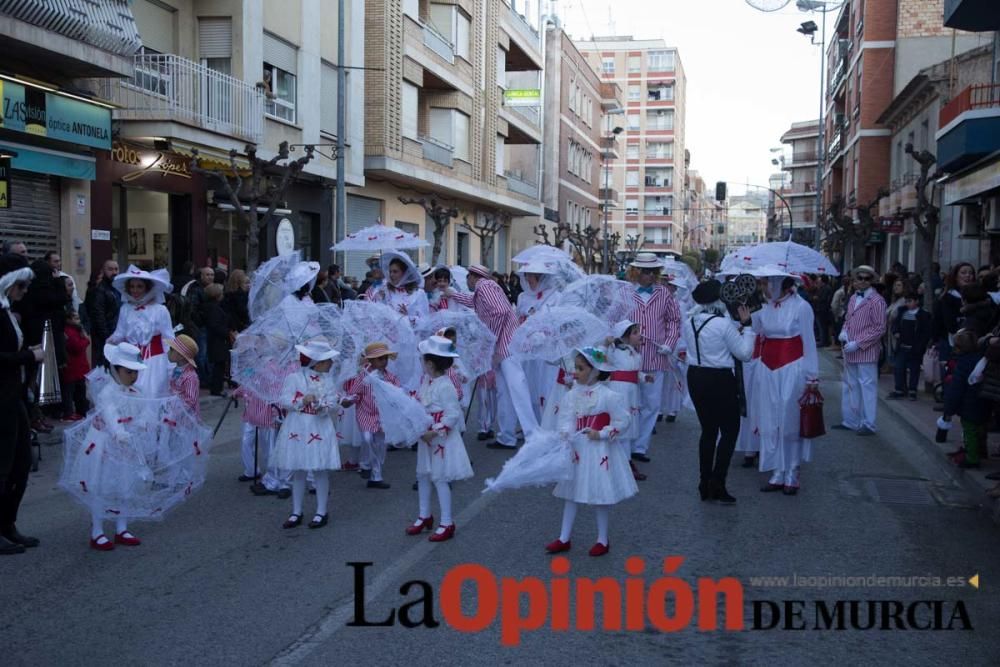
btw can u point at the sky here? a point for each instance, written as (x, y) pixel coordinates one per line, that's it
(750, 75)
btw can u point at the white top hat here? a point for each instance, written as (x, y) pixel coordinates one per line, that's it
(124, 354)
(646, 260)
(439, 346)
(620, 328)
(317, 349)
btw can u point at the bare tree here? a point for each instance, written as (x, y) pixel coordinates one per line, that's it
(842, 232)
(440, 215)
(928, 215)
(265, 185)
(486, 227)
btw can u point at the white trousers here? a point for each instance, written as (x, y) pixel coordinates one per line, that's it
(673, 395)
(651, 394)
(487, 401)
(860, 395)
(513, 403)
(373, 454)
(265, 439)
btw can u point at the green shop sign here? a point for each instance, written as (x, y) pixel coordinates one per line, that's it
(525, 97)
(45, 114)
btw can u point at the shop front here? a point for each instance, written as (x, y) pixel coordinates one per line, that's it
(149, 209)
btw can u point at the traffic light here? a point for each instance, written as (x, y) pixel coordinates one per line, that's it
(720, 191)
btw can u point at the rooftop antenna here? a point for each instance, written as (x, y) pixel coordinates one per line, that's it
(611, 22)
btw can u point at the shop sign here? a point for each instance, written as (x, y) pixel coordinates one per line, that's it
(284, 237)
(892, 226)
(5, 182)
(149, 162)
(100, 234)
(525, 97)
(877, 238)
(48, 114)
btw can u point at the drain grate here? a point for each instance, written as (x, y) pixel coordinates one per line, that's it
(901, 491)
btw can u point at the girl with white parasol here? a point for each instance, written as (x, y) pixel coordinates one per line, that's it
(145, 322)
(539, 289)
(404, 287)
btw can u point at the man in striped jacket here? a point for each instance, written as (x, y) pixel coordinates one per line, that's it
(864, 326)
(659, 319)
(494, 309)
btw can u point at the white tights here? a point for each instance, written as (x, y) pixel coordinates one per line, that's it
(424, 485)
(97, 524)
(321, 479)
(569, 516)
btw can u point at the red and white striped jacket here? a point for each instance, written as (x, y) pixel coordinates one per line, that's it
(865, 325)
(366, 410)
(495, 311)
(660, 321)
(256, 412)
(187, 387)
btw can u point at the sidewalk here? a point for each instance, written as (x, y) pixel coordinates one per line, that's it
(922, 417)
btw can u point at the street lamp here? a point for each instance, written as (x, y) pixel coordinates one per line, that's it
(615, 131)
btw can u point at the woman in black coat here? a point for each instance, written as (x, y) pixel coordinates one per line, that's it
(217, 329)
(17, 362)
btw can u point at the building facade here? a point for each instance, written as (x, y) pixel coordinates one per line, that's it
(52, 137)
(452, 114)
(653, 82)
(799, 189)
(747, 220)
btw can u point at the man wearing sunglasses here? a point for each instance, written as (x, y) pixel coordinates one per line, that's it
(864, 326)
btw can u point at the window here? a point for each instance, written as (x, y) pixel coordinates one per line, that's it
(215, 43)
(328, 105)
(633, 121)
(632, 152)
(632, 179)
(461, 136)
(451, 127)
(635, 92)
(499, 154)
(463, 27)
(572, 95)
(661, 61)
(634, 63)
(411, 105)
(280, 66)
(631, 207)
(501, 68)
(608, 65)
(453, 24)
(412, 9)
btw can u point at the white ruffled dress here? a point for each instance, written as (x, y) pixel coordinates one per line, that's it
(149, 328)
(444, 459)
(601, 473)
(627, 359)
(541, 376)
(308, 438)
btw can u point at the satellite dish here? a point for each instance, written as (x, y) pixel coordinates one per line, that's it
(768, 5)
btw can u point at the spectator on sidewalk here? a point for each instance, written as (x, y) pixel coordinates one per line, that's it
(236, 301)
(74, 373)
(838, 304)
(947, 313)
(216, 332)
(961, 397)
(978, 311)
(103, 303)
(911, 332)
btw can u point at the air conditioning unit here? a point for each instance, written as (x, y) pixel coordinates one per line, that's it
(970, 221)
(991, 215)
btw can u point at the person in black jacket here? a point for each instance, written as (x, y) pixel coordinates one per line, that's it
(963, 399)
(17, 362)
(216, 331)
(911, 330)
(103, 303)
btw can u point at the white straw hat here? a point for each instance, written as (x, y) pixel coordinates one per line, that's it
(439, 346)
(124, 354)
(317, 349)
(646, 260)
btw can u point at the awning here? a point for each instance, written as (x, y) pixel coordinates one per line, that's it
(973, 184)
(211, 158)
(52, 162)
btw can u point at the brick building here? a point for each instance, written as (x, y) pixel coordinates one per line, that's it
(799, 188)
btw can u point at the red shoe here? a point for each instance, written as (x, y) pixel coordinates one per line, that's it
(599, 549)
(557, 547)
(41, 426)
(127, 538)
(101, 543)
(349, 466)
(445, 535)
(425, 524)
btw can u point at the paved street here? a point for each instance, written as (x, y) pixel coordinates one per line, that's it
(221, 582)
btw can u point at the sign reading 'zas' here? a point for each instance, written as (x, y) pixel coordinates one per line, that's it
(39, 112)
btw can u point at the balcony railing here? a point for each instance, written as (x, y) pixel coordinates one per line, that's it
(517, 183)
(438, 43)
(806, 156)
(531, 114)
(976, 96)
(171, 88)
(437, 151)
(522, 26)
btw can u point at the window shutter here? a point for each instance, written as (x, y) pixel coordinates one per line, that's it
(215, 37)
(328, 95)
(280, 53)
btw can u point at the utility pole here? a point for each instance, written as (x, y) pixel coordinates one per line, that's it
(340, 199)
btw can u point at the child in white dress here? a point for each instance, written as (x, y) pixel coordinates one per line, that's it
(441, 455)
(592, 415)
(624, 356)
(307, 441)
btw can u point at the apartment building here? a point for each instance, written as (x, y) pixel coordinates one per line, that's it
(652, 77)
(452, 113)
(747, 220)
(878, 46)
(579, 107)
(799, 164)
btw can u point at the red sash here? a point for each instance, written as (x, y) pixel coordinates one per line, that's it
(625, 376)
(154, 347)
(594, 422)
(778, 352)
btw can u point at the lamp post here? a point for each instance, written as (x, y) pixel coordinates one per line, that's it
(610, 138)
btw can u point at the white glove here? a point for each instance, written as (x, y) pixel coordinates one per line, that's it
(665, 350)
(851, 346)
(943, 424)
(842, 337)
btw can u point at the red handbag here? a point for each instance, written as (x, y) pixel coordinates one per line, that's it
(811, 414)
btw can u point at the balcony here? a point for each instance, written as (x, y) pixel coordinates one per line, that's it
(169, 88)
(516, 182)
(610, 194)
(437, 151)
(610, 150)
(970, 127)
(664, 184)
(439, 44)
(972, 15)
(526, 46)
(802, 159)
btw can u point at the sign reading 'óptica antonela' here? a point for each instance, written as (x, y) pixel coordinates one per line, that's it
(55, 116)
